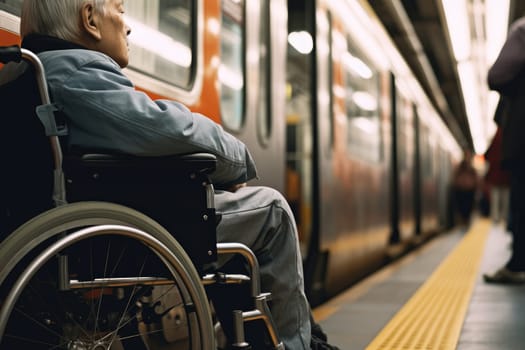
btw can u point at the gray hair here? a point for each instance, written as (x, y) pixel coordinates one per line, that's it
(58, 18)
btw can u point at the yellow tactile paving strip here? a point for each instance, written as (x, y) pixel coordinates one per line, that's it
(433, 317)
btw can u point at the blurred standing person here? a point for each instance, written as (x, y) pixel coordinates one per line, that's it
(497, 179)
(465, 183)
(507, 76)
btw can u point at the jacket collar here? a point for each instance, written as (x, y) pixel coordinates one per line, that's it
(38, 43)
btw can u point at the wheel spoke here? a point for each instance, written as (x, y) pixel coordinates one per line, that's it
(121, 322)
(30, 341)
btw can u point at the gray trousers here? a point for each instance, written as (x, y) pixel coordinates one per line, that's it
(260, 218)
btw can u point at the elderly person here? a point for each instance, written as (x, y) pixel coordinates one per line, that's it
(83, 47)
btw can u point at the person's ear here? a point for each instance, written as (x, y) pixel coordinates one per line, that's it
(90, 21)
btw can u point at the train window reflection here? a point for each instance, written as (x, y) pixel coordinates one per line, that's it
(12, 6)
(361, 93)
(161, 40)
(231, 70)
(301, 41)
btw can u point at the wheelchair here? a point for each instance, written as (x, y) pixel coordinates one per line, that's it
(107, 251)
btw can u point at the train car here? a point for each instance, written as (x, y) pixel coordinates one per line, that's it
(327, 106)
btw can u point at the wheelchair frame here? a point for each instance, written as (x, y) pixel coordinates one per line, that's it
(68, 224)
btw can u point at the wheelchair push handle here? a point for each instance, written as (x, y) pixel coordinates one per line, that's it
(16, 54)
(10, 54)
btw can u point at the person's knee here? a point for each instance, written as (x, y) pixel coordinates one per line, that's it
(278, 202)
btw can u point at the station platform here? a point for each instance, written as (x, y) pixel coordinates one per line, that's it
(434, 298)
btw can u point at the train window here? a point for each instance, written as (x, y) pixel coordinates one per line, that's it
(12, 6)
(264, 120)
(161, 40)
(331, 126)
(405, 128)
(231, 71)
(362, 105)
(325, 80)
(427, 153)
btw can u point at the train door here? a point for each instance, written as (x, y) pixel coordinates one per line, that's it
(417, 173)
(443, 183)
(348, 200)
(301, 142)
(404, 137)
(429, 179)
(447, 163)
(252, 81)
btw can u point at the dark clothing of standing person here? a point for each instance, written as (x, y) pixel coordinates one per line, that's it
(497, 179)
(507, 76)
(465, 184)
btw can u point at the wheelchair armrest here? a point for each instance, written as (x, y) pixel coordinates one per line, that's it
(189, 163)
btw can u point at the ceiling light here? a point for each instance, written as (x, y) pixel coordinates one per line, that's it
(457, 18)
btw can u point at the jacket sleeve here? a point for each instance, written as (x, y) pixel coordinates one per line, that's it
(510, 61)
(107, 112)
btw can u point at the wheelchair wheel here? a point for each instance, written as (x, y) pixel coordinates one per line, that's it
(99, 276)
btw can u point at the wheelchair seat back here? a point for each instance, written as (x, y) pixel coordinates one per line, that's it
(27, 164)
(174, 190)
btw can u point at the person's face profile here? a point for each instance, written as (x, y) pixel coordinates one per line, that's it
(114, 33)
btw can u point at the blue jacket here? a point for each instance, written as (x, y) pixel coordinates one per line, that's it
(105, 111)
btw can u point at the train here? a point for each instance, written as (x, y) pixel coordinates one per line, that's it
(331, 112)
